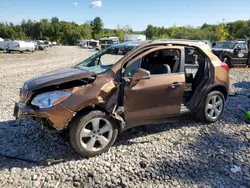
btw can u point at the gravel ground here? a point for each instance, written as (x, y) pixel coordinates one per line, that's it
(182, 154)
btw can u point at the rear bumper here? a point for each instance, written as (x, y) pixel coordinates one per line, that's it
(58, 115)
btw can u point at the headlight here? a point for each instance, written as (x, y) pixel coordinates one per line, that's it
(49, 99)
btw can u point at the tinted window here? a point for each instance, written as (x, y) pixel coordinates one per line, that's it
(162, 61)
(130, 70)
(225, 45)
(242, 46)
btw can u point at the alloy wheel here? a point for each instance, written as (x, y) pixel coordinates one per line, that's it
(96, 134)
(214, 107)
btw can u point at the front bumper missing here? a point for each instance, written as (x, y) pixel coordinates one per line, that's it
(58, 115)
(21, 110)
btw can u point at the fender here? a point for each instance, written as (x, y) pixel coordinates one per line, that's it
(220, 87)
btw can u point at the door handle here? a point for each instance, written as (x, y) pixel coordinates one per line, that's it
(175, 84)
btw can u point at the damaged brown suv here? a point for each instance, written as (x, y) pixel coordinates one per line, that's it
(111, 91)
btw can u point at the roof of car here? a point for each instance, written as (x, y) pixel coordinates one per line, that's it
(181, 41)
(234, 41)
(108, 38)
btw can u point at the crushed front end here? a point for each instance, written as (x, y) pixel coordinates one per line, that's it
(56, 115)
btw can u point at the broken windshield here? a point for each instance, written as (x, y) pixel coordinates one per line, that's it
(101, 61)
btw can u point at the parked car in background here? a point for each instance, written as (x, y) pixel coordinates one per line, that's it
(48, 43)
(191, 56)
(108, 93)
(54, 43)
(3, 44)
(134, 37)
(20, 46)
(108, 41)
(232, 52)
(42, 45)
(93, 44)
(208, 42)
(90, 44)
(125, 47)
(34, 42)
(36, 45)
(82, 43)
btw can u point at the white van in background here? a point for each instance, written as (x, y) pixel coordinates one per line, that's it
(134, 37)
(21, 46)
(4, 43)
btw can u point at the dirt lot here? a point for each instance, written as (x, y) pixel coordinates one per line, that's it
(183, 154)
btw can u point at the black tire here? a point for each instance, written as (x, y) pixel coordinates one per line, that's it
(79, 123)
(228, 61)
(202, 113)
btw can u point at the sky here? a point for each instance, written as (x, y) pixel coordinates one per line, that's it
(135, 13)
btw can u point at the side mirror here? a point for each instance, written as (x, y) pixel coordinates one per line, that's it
(141, 74)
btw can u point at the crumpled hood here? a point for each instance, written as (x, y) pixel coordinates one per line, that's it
(57, 77)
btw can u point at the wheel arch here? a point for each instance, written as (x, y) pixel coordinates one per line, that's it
(217, 87)
(225, 56)
(221, 88)
(90, 108)
(200, 113)
(229, 63)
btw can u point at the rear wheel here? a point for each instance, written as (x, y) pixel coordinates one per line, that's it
(93, 133)
(212, 108)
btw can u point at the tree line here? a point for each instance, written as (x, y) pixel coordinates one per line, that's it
(67, 33)
(217, 32)
(70, 33)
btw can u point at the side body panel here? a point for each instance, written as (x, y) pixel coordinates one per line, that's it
(154, 97)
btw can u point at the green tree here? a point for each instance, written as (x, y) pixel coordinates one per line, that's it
(121, 31)
(222, 32)
(86, 31)
(150, 32)
(97, 26)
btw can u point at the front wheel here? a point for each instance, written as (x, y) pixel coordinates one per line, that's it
(212, 107)
(228, 62)
(93, 133)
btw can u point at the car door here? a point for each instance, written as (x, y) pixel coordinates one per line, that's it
(240, 56)
(154, 96)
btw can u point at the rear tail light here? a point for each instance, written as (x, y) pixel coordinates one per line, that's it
(225, 66)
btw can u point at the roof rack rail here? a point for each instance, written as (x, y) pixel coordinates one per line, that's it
(172, 39)
(178, 40)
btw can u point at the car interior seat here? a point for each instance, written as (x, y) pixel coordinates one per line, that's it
(160, 65)
(161, 69)
(172, 62)
(176, 64)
